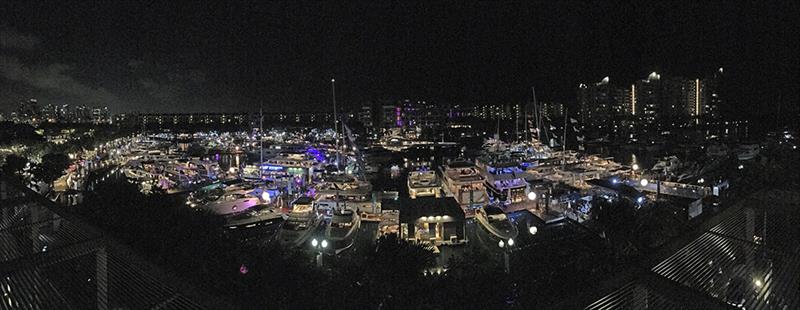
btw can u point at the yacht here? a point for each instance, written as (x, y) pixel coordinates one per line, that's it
(423, 183)
(258, 215)
(496, 222)
(462, 180)
(506, 182)
(717, 150)
(344, 191)
(668, 163)
(234, 202)
(394, 143)
(748, 151)
(138, 174)
(300, 224)
(215, 191)
(342, 230)
(396, 140)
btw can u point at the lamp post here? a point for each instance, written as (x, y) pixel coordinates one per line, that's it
(319, 246)
(532, 197)
(506, 246)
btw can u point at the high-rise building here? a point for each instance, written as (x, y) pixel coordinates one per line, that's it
(711, 98)
(552, 110)
(28, 111)
(602, 105)
(647, 98)
(365, 116)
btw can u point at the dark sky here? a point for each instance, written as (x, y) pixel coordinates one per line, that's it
(230, 57)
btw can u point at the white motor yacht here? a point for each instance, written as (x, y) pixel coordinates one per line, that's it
(496, 222)
(669, 163)
(717, 150)
(463, 181)
(300, 224)
(342, 229)
(423, 183)
(263, 214)
(748, 151)
(344, 191)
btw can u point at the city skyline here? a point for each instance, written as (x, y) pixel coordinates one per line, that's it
(150, 59)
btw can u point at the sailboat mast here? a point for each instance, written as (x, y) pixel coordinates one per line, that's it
(261, 140)
(497, 134)
(536, 114)
(335, 123)
(527, 128)
(564, 139)
(516, 126)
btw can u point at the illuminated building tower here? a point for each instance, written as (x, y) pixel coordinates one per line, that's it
(602, 105)
(647, 97)
(711, 98)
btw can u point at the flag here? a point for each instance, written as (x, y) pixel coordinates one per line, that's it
(580, 138)
(552, 127)
(572, 120)
(581, 148)
(575, 129)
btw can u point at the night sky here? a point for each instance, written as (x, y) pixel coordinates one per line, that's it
(163, 57)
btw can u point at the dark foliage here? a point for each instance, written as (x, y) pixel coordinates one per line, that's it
(14, 163)
(52, 167)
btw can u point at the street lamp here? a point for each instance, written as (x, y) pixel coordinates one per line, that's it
(319, 246)
(644, 182)
(531, 196)
(506, 246)
(533, 230)
(635, 167)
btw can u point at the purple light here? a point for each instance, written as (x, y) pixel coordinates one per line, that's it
(399, 121)
(243, 269)
(315, 153)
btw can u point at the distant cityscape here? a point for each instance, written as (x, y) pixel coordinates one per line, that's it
(654, 103)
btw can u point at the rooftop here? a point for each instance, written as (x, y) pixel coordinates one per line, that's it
(50, 261)
(749, 259)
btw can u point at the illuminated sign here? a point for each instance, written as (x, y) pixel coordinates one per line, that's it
(272, 168)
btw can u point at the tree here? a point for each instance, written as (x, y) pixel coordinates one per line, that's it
(14, 163)
(52, 167)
